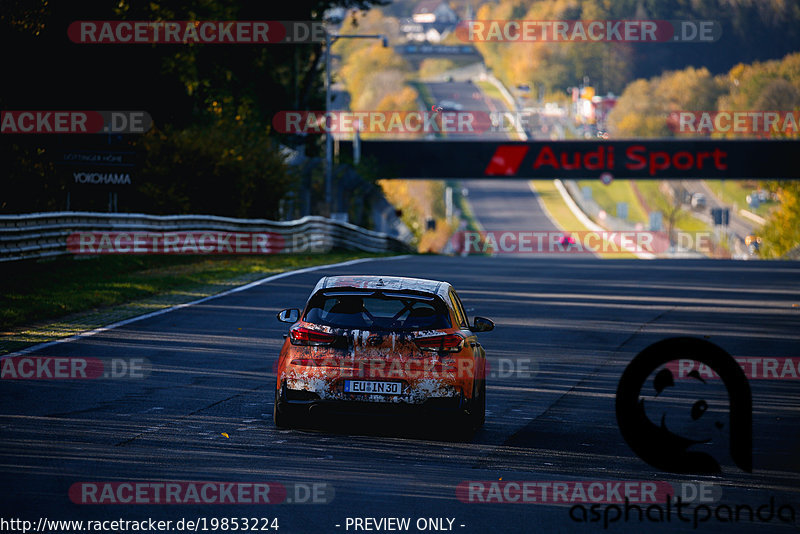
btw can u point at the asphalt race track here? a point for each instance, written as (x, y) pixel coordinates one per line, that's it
(507, 205)
(566, 329)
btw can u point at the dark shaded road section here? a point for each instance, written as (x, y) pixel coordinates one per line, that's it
(566, 328)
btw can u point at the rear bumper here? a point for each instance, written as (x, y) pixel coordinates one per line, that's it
(302, 401)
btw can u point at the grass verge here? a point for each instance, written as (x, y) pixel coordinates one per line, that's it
(607, 197)
(424, 94)
(622, 191)
(734, 193)
(44, 300)
(563, 216)
(462, 203)
(490, 90)
(686, 222)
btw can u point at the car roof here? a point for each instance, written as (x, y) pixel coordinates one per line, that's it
(435, 287)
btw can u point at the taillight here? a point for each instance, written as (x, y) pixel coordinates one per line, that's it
(306, 336)
(445, 343)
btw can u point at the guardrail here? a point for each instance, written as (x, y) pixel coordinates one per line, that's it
(41, 235)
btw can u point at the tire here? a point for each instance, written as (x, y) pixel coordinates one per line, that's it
(478, 409)
(475, 416)
(282, 419)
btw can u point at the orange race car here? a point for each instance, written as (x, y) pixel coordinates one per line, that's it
(366, 343)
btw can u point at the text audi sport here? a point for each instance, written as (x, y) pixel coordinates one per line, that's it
(370, 342)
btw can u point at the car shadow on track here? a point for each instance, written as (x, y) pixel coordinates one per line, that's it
(431, 428)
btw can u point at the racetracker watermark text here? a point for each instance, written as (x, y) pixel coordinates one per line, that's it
(384, 122)
(72, 368)
(579, 242)
(562, 492)
(755, 368)
(194, 242)
(763, 123)
(200, 492)
(195, 32)
(75, 122)
(403, 368)
(590, 31)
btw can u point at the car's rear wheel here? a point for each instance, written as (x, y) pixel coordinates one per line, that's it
(474, 417)
(282, 419)
(477, 413)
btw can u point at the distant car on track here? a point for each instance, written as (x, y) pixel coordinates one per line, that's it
(698, 201)
(367, 343)
(566, 241)
(753, 243)
(450, 105)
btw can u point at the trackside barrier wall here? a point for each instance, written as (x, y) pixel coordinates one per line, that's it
(42, 235)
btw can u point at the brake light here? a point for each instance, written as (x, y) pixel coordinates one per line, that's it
(445, 343)
(306, 336)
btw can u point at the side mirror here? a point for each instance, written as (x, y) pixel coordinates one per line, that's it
(482, 324)
(289, 316)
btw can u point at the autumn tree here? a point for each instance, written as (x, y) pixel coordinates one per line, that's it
(644, 106)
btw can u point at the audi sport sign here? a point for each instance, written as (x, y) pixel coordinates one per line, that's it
(679, 159)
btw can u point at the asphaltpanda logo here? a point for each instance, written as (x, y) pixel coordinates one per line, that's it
(686, 424)
(675, 450)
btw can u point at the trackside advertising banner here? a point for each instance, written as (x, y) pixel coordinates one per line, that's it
(656, 159)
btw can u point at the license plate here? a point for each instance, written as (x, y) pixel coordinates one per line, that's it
(364, 386)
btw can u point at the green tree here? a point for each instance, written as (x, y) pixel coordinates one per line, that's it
(212, 105)
(782, 231)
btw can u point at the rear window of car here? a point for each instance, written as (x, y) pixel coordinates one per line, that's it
(377, 310)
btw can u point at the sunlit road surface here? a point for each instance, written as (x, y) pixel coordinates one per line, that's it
(471, 99)
(498, 205)
(566, 327)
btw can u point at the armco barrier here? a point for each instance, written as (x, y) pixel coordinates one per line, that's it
(40, 235)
